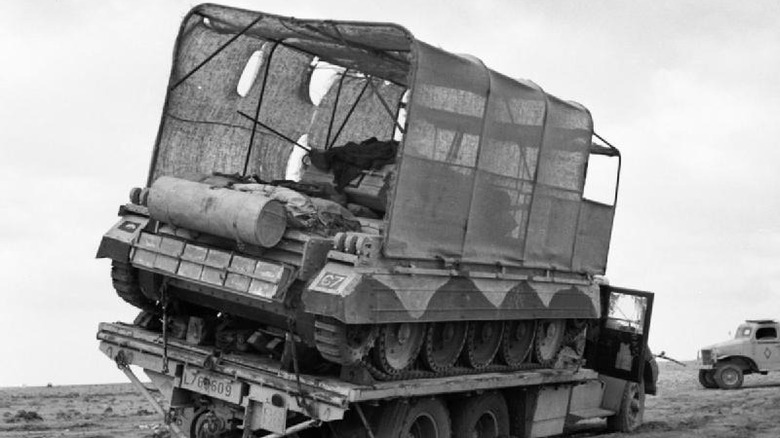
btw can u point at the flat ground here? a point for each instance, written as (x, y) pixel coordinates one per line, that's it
(683, 409)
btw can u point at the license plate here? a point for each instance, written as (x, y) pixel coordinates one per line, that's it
(273, 419)
(211, 384)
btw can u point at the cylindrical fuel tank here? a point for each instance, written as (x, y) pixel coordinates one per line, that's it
(247, 217)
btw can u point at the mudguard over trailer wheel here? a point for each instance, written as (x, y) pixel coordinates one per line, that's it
(632, 409)
(420, 418)
(483, 416)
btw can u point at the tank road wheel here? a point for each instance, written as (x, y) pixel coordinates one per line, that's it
(482, 342)
(483, 416)
(707, 379)
(549, 339)
(728, 376)
(632, 409)
(343, 344)
(397, 346)
(517, 341)
(423, 418)
(443, 344)
(125, 280)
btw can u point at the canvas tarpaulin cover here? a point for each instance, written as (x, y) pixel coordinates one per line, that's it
(490, 169)
(207, 126)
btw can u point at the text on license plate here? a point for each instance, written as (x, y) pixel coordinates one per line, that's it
(211, 384)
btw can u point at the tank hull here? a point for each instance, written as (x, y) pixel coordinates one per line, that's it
(359, 296)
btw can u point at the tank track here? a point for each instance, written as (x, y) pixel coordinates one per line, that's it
(327, 342)
(338, 344)
(125, 280)
(415, 373)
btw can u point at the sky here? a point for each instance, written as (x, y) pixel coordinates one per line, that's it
(688, 90)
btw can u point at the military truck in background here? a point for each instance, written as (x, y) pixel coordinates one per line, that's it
(754, 349)
(334, 209)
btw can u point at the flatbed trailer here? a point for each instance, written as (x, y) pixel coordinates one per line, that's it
(205, 393)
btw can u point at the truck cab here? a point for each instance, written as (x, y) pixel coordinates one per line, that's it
(754, 349)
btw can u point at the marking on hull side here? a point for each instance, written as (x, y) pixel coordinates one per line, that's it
(414, 299)
(494, 290)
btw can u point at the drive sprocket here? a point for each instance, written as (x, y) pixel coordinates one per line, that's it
(341, 343)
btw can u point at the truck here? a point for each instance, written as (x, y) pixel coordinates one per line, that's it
(754, 349)
(206, 392)
(339, 202)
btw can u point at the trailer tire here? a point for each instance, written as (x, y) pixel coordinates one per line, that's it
(632, 409)
(421, 418)
(707, 379)
(482, 416)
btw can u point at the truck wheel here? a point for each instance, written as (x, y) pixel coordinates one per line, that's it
(728, 376)
(484, 416)
(632, 409)
(423, 418)
(707, 379)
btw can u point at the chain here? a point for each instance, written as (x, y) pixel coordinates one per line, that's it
(299, 397)
(164, 302)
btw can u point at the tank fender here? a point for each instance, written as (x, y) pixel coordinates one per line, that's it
(326, 293)
(356, 295)
(118, 241)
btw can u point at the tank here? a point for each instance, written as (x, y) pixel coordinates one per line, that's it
(352, 193)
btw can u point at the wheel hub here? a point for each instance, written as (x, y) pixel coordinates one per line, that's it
(517, 343)
(397, 346)
(483, 342)
(549, 341)
(403, 333)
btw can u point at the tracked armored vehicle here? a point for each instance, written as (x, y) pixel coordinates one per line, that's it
(350, 191)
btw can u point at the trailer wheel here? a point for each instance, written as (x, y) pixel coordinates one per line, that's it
(632, 409)
(707, 379)
(729, 376)
(422, 418)
(483, 416)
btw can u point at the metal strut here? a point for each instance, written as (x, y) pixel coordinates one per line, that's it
(259, 105)
(364, 420)
(216, 52)
(122, 365)
(386, 105)
(349, 114)
(273, 131)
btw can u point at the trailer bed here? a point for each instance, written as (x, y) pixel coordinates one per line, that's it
(242, 377)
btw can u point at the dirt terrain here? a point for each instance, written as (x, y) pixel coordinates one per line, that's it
(683, 409)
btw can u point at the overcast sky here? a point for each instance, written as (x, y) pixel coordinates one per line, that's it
(688, 90)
